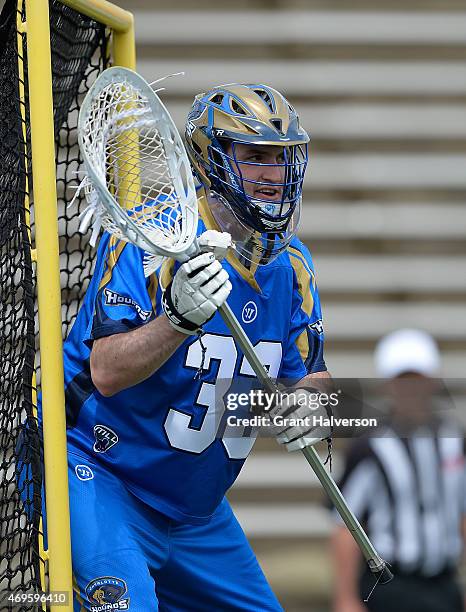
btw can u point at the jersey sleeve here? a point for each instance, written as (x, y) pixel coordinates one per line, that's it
(304, 352)
(124, 298)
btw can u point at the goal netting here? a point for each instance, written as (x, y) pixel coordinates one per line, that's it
(79, 53)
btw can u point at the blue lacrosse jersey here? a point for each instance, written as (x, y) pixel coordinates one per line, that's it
(167, 438)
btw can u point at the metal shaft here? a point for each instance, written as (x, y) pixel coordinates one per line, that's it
(376, 563)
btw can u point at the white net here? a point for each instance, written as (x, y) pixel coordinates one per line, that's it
(139, 184)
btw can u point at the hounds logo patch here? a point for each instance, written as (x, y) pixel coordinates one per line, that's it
(112, 298)
(106, 592)
(105, 438)
(318, 327)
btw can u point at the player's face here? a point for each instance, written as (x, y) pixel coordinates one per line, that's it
(262, 182)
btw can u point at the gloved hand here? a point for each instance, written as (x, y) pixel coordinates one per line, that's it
(216, 242)
(300, 419)
(199, 287)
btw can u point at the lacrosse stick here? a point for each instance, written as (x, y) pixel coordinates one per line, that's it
(140, 188)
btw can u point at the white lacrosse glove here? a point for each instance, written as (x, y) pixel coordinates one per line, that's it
(199, 287)
(299, 420)
(217, 243)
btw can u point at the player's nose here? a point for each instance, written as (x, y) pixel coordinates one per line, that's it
(273, 172)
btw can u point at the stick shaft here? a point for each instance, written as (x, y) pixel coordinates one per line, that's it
(309, 452)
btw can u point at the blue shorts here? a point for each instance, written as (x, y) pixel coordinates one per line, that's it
(128, 556)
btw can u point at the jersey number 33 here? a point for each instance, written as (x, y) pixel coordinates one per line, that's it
(222, 350)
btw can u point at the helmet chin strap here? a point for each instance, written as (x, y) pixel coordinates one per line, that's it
(271, 208)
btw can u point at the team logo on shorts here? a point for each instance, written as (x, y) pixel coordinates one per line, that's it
(106, 592)
(249, 313)
(84, 472)
(112, 298)
(105, 438)
(318, 327)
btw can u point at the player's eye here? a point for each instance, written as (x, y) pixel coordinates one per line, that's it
(283, 156)
(256, 157)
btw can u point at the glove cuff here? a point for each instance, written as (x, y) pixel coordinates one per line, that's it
(177, 320)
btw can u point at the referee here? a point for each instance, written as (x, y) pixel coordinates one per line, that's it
(408, 488)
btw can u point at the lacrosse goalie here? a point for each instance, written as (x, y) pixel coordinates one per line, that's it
(149, 461)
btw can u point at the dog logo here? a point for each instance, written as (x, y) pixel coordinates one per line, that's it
(249, 313)
(106, 592)
(105, 438)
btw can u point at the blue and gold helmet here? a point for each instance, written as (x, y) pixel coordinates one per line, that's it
(234, 114)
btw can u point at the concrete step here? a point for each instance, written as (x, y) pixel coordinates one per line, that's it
(299, 570)
(356, 362)
(284, 520)
(350, 321)
(336, 6)
(281, 469)
(361, 171)
(299, 27)
(322, 51)
(391, 274)
(388, 220)
(303, 78)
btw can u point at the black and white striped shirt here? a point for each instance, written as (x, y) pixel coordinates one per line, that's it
(411, 496)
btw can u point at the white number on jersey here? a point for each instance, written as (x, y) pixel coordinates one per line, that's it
(221, 350)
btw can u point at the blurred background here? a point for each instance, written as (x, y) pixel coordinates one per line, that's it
(381, 87)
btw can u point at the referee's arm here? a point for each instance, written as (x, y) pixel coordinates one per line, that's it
(464, 541)
(358, 484)
(346, 562)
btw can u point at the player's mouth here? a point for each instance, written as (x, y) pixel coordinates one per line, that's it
(268, 193)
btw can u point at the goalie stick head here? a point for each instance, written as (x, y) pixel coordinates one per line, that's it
(138, 183)
(265, 193)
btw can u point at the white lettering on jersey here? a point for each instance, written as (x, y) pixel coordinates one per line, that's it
(112, 298)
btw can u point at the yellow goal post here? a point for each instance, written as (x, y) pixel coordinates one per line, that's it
(120, 22)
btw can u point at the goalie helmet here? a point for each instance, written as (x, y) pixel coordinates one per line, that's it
(249, 115)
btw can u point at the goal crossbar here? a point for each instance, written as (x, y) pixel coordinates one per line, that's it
(105, 12)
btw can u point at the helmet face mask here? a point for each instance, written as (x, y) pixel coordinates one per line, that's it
(259, 248)
(262, 194)
(246, 145)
